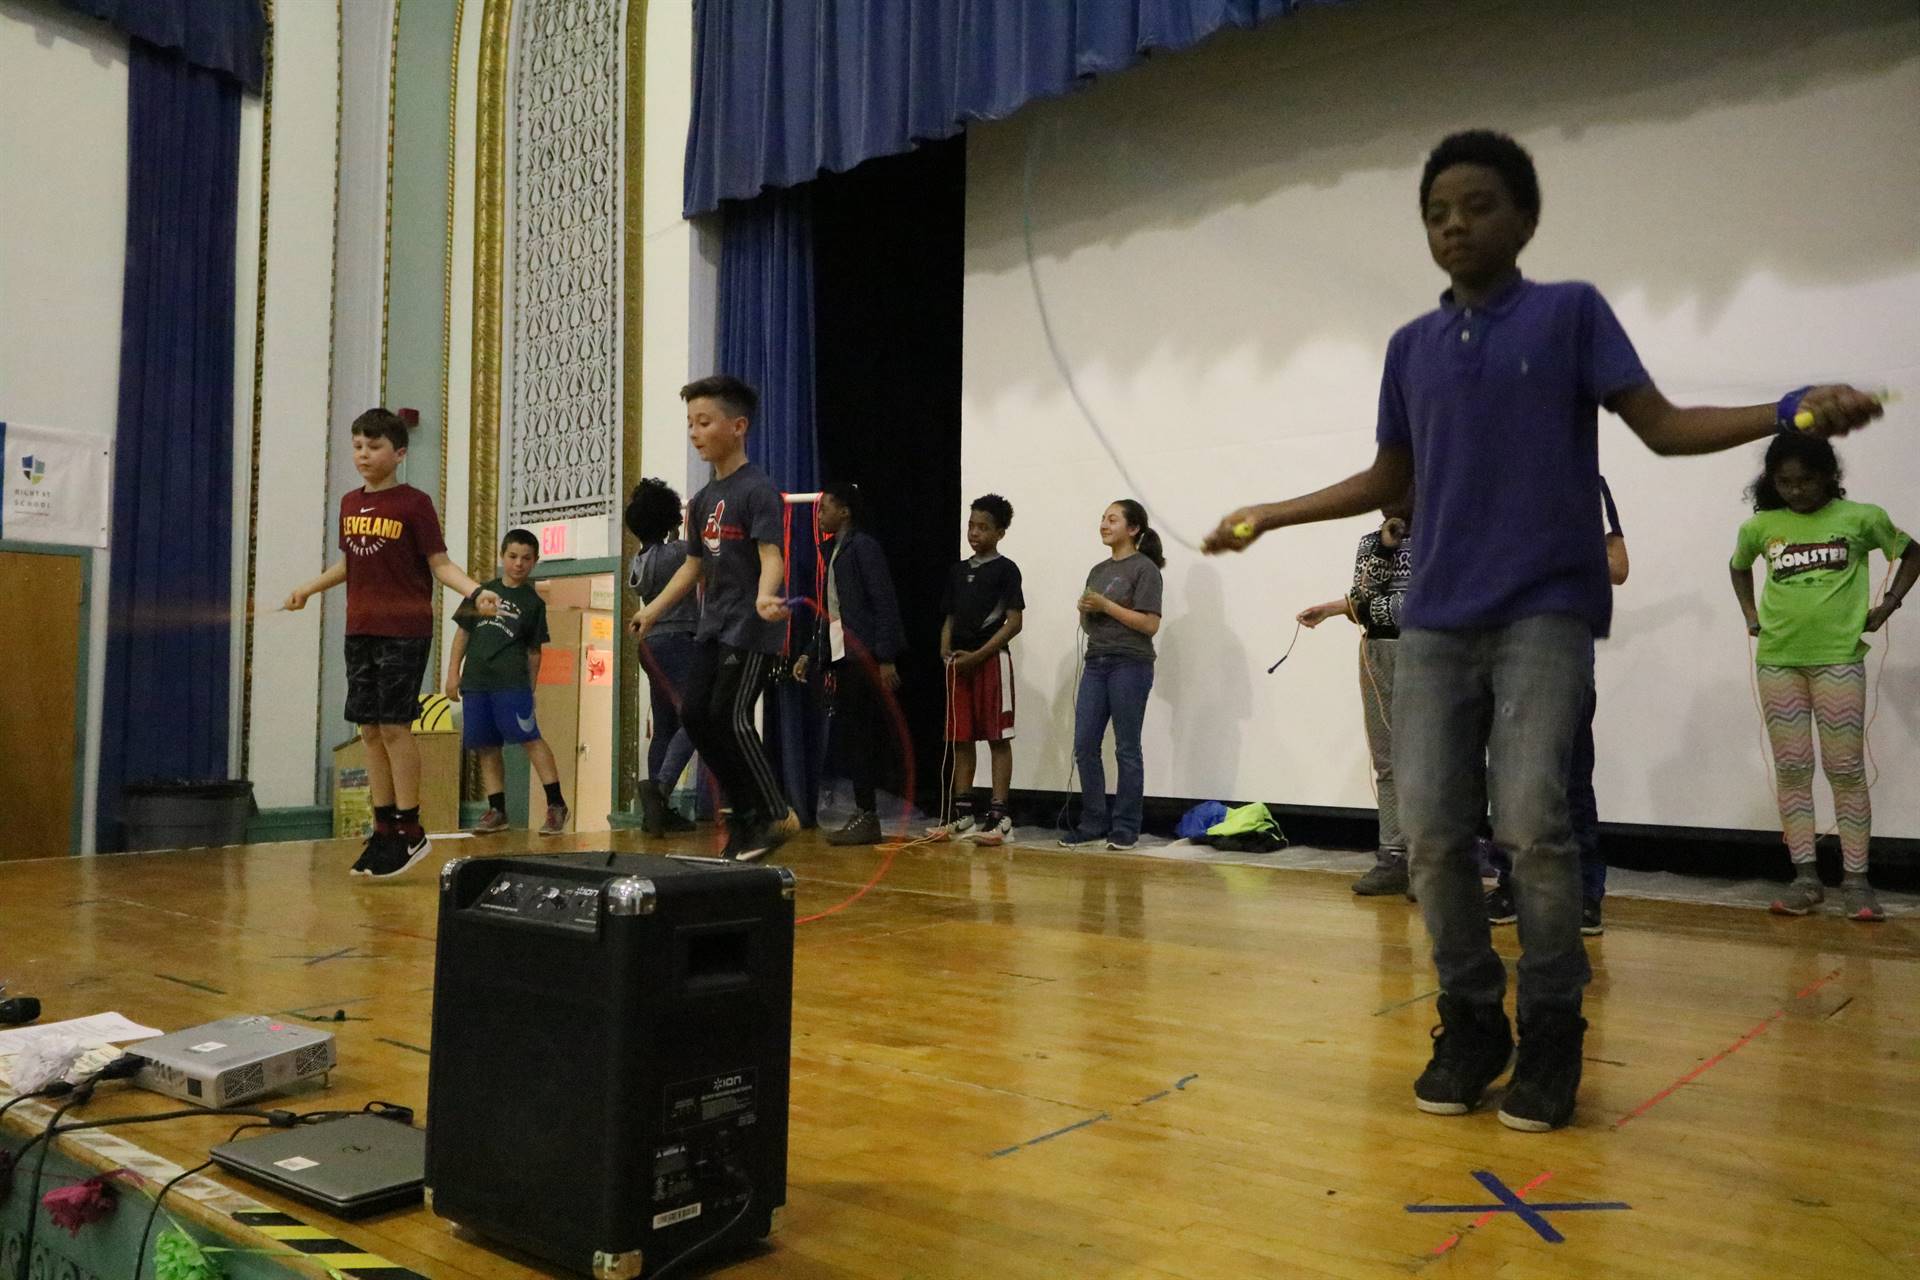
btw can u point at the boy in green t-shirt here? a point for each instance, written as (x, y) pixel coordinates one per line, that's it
(1811, 654)
(493, 667)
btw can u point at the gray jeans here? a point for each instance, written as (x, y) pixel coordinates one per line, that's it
(1499, 706)
(1376, 703)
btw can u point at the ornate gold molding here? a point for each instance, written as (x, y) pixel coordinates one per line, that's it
(489, 246)
(446, 313)
(633, 250)
(386, 239)
(259, 350)
(333, 310)
(489, 256)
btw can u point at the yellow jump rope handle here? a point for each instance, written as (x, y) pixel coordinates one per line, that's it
(1243, 530)
(1804, 418)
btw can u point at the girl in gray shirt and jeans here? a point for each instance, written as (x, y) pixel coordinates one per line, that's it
(1120, 612)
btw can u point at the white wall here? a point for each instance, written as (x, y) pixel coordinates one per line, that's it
(359, 283)
(672, 313)
(63, 234)
(1227, 238)
(293, 400)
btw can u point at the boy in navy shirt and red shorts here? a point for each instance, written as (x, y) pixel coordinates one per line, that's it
(983, 605)
(1492, 401)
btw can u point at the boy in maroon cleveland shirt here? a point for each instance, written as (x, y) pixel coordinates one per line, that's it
(390, 535)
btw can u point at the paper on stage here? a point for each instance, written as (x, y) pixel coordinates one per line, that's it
(110, 1028)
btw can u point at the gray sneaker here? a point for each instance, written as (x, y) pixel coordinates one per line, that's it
(491, 821)
(1860, 904)
(556, 823)
(1389, 875)
(1799, 898)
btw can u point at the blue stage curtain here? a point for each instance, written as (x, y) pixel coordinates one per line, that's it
(228, 36)
(766, 337)
(168, 643)
(784, 90)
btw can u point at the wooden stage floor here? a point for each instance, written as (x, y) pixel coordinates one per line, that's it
(1028, 1063)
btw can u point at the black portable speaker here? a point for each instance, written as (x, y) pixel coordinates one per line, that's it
(608, 1085)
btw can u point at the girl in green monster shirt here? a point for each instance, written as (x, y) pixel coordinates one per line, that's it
(1811, 655)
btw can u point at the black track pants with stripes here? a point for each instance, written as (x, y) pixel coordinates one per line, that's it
(717, 708)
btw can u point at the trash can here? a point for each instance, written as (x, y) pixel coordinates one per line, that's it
(184, 814)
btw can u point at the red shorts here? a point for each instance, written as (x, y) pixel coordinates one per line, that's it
(981, 705)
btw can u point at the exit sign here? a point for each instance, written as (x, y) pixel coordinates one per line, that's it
(571, 539)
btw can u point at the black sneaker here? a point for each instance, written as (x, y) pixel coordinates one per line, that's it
(862, 828)
(374, 839)
(653, 808)
(1547, 1075)
(1590, 920)
(1500, 906)
(396, 855)
(1471, 1049)
(739, 826)
(764, 837)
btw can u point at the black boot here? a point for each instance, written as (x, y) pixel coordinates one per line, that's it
(1471, 1049)
(653, 806)
(1547, 1076)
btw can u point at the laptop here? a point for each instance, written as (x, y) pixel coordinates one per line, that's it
(350, 1166)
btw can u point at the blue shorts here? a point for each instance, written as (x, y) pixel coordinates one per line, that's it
(492, 719)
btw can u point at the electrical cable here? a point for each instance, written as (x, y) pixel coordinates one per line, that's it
(153, 1214)
(79, 1097)
(58, 1089)
(146, 1232)
(385, 1109)
(695, 1250)
(121, 1068)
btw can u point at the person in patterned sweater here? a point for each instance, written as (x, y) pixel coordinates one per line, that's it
(1382, 571)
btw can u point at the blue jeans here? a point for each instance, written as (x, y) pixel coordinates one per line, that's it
(1502, 706)
(668, 659)
(1583, 811)
(1111, 689)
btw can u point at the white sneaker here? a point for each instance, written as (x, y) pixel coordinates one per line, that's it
(995, 830)
(959, 829)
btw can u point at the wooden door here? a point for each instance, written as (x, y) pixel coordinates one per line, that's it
(593, 778)
(556, 703)
(37, 716)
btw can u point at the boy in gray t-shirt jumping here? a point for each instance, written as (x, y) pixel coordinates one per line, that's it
(735, 553)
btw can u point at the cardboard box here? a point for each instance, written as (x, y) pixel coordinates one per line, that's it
(439, 785)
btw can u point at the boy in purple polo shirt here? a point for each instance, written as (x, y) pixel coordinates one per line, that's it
(1490, 402)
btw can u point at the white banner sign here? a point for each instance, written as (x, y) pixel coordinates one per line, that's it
(57, 487)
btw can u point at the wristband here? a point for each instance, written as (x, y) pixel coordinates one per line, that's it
(1788, 409)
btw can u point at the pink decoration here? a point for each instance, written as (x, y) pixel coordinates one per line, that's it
(80, 1204)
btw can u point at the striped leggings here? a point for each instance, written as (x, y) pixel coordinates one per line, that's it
(1834, 698)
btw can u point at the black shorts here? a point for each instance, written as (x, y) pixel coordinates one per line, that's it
(383, 678)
